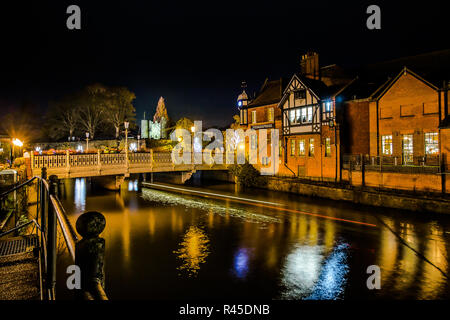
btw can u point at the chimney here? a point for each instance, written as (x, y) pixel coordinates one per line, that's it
(309, 65)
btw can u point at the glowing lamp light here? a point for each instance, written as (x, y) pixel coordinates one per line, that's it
(240, 103)
(193, 129)
(80, 148)
(241, 146)
(17, 142)
(133, 146)
(179, 139)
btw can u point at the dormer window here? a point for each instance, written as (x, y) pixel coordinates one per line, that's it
(300, 94)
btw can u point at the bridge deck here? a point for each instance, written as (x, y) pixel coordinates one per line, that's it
(19, 269)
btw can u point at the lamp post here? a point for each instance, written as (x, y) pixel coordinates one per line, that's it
(15, 142)
(139, 143)
(126, 124)
(87, 141)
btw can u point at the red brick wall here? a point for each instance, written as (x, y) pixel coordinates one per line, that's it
(355, 134)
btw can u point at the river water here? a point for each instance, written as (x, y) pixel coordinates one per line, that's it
(167, 244)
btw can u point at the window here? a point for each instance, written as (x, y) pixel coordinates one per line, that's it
(301, 147)
(311, 147)
(292, 147)
(327, 147)
(310, 114)
(386, 145)
(253, 141)
(301, 115)
(254, 116)
(300, 94)
(297, 115)
(270, 114)
(431, 143)
(328, 106)
(292, 116)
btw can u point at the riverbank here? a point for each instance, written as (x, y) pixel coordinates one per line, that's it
(388, 198)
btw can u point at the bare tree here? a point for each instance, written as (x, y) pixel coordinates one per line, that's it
(92, 105)
(119, 107)
(63, 118)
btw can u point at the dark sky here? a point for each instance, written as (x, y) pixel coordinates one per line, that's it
(195, 54)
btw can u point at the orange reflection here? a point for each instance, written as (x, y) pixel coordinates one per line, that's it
(194, 250)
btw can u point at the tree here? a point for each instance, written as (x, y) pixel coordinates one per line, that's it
(237, 122)
(93, 102)
(184, 123)
(119, 107)
(161, 111)
(63, 118)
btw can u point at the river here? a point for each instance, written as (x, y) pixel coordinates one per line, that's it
(167, 244)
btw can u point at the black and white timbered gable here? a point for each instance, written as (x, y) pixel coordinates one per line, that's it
(301, 106)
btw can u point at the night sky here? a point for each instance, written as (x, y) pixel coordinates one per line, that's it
(196, 54)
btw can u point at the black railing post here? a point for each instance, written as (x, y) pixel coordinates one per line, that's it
(43, 200)
(90, 255)
(51, 237)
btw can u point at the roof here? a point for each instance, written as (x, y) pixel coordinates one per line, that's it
(270, 93)
(433, 66)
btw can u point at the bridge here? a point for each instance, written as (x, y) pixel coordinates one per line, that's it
(103, 164)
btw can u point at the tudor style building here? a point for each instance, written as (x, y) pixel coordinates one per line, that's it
(310, 131)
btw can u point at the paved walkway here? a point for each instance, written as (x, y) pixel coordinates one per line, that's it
(19, 268)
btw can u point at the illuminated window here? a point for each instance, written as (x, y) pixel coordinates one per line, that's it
(311, 147)
(328, 106)
(270, 114)
(431, 143)
(297, 115)
(386, 145)
(301, 147)
(327, 147)
(254, 116)
(292, 116)
(253, 141)
(292, 147)
(310, 114)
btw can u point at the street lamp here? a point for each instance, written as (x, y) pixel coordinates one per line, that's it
(87, 141)
(15, 142)
(126, 124)
(139, 144)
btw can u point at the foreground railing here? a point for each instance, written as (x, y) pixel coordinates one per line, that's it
(84, 253)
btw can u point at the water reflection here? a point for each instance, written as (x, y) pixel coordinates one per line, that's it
(80, 194)
(333, 276)
(153, 236)
(301, 271)
(241, 260)
(194, 250)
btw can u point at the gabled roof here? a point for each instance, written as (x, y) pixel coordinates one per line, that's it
(317, 87)
(433, 66)
(270, 93)
(385, 88)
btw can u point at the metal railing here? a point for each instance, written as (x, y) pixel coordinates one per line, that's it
(51, 214)
(401, 164)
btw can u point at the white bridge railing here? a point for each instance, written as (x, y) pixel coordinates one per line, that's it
(138, 159)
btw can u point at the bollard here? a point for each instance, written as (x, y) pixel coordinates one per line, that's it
(90, 254)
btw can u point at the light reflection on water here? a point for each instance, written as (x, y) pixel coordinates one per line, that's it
(80, 194)
(194, 250)
(168, 245)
